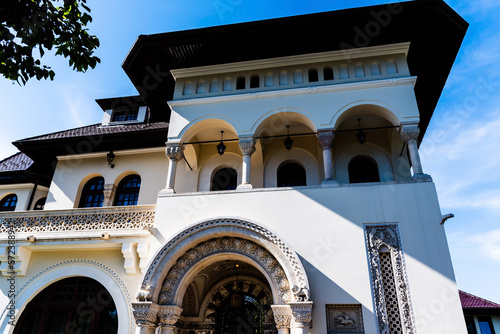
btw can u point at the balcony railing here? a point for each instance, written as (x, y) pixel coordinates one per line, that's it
(74, 220)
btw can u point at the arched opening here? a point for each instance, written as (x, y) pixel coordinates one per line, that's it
(240, 83)
(254, 81)
(40, 204)
(71, 305)
(291, 174)
(127, 192)
(240, 313)
(327, 73)
(363, 169)
(313, 75)
(92, 193)
(224, 179)
(8, 203)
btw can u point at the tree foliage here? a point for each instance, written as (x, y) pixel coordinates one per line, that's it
(30, 27)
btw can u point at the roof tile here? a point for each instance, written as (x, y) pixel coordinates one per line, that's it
(471, 301)
(16, 162)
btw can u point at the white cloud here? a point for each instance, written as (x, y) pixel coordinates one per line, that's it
(487, 244)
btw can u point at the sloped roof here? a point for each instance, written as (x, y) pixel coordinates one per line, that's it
(470, 301)
(16, 162)
(97, 129)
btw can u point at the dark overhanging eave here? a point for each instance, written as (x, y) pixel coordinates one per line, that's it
(433, 29)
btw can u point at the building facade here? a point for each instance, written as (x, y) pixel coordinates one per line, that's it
(266, 180)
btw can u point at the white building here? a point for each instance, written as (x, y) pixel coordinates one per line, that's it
(291, 198)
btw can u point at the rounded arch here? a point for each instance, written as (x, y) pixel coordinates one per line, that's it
(363, 168)
(216, 122)
(213, 164)
(249, 240)
(8, 202)
(282, 115)
(296, 155)
(123, 175)
(127, 190)
(376, 153)
(93, 270)
(82, 184)
(367, 107)
(291, 173)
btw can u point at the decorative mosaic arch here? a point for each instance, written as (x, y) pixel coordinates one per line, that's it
(223, 235)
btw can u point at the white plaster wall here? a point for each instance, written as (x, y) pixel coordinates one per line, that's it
(71, 175)
(23, 192)
(325, 227)
(323, 109)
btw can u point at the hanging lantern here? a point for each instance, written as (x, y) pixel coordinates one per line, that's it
(288, 141)
(221, 147)
(360, 135)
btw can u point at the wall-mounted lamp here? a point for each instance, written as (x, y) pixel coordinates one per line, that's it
(360, 135)
(288, 141)
(110, 156)
(221, 147)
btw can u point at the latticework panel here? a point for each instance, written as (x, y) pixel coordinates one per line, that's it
(390, 294)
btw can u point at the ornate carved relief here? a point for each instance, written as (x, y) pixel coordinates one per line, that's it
(79, 220)
(325, 139)
(286, 255)
(247, 145)
(302, 313)
(344, 319)
(376, 237)
(282, 316)
(409, 134)
(145, 314)
(215, 246)
(168, 315)
(174, 151)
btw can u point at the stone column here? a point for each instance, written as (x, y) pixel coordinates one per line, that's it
(109, 193)
(409, 134)
(302, 315)
(145, 315)
(174, 153)
(325, 141)
(282, 318)
(167, 317)
(247, 146)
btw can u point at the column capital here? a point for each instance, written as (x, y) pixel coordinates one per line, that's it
(175, 151)
(409, 133)
(325, 138)
(168, 316)
(247, 145)
(145, 314)
(302, 313)
(282, 316)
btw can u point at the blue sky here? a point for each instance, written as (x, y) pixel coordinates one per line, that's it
(460, 150)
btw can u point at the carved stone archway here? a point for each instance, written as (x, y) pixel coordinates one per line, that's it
(170, 272)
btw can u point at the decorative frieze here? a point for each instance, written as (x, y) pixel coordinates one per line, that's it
(79, 220)
(168, 315)
(302, 313)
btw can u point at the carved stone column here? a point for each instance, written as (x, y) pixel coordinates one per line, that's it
(174, 153)
(247, 146)
(325, 141)
(167, 317)
(145, 315)
(409, 134)
(302, 315)
(282, 318)
(109, 193)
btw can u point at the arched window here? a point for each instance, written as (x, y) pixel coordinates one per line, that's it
(327, 73)
(240, 83)
(254, 81)
(363, 169)
(40, 204)
(92, 193)
(343, 72)
(297, 76)
(127, 192)
(313, 75)
(224, 179)
(187, 88)
(227, 84)
(291, 174)
(75, 304)
(213, 85)
(269, 82)
(8, 203)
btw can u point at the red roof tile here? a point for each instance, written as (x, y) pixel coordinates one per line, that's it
(471, 301)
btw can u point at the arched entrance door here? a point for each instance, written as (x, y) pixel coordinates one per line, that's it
(71, 305)
(240, 313)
